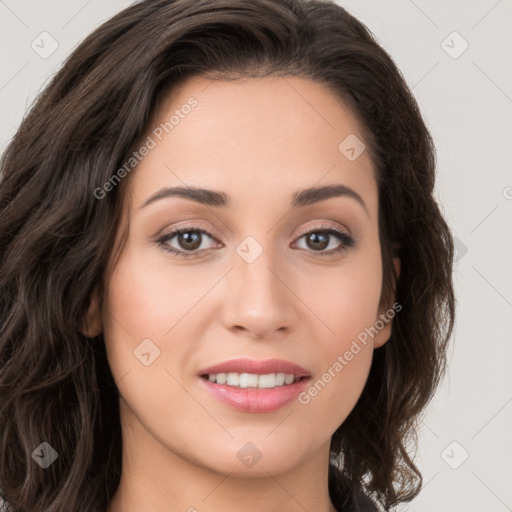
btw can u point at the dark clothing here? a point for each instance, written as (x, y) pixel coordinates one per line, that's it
(361, 504)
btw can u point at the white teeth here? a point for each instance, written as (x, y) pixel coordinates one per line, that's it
(288, 379)
(267, 381)
(248, 380)
(251, 380)
(281, 378)
(233, 379)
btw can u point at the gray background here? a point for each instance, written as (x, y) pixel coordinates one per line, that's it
(466, 100)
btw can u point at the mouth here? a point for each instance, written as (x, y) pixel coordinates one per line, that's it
(254, 386)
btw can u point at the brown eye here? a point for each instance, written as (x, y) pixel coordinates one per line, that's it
(188, 241)
(318, 240)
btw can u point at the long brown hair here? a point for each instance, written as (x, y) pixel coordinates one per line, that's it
(56, 236)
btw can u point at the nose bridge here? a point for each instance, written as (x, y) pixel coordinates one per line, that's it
(259, 299)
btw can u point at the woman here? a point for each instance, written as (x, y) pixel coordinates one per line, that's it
(225, 282)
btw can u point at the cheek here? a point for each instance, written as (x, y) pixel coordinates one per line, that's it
(345, 300)
(138, 311)
(345, 303)
(149, 298)
(142, 305)
(344, 351)
(152, 307)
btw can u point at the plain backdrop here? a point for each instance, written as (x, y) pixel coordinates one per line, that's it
(457, 58)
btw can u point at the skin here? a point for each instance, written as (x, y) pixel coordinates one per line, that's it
(259, 141)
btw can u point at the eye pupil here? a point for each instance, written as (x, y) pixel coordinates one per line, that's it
(314, 238)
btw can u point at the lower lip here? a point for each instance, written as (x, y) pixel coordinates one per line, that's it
(255, 400)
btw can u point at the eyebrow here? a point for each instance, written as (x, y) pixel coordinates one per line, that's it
(220, 199)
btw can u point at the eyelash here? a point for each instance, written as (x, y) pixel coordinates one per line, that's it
(347, 241)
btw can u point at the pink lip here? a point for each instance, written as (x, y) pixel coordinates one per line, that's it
(255, 400)
(259, 367)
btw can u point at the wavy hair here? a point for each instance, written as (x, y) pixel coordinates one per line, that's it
(56, 238)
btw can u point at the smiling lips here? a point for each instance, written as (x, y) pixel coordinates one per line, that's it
(255, 386)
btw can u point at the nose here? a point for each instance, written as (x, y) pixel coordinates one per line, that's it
(259, 297)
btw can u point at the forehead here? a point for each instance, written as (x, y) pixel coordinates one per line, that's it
(252, 135)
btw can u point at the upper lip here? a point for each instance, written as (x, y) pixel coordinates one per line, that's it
(256, 367)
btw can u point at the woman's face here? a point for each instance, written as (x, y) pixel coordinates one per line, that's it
(252, 283)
